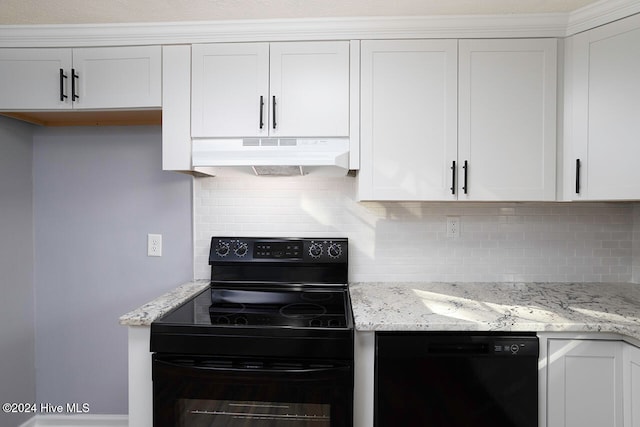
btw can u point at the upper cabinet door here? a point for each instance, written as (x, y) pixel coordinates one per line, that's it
(408, 120)
(230, 90)
(309, 84)
(291, 89)
(88, 78)
(34, 79)
(604, 70)
(507, 119)
(117, 77)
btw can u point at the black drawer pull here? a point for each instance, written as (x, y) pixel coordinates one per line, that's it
(63, 76)
(261, 111)
(465, 187)
(74, 76)
(453, 177)
(274, 111)
(578, 176)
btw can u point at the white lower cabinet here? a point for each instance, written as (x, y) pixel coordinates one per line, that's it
(584, 383)
(631, 385)
(140, 379)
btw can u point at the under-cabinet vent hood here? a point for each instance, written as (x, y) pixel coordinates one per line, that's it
(273, 156)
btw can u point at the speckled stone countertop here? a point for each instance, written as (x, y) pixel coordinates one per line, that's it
(143, 316)
(568, 307)
(536, 307)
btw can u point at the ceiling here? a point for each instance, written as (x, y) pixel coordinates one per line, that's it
(41, 12)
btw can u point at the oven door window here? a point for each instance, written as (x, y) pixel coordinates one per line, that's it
(198, 392)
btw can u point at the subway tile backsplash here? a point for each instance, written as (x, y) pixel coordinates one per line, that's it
(635, 277)
(406, 241)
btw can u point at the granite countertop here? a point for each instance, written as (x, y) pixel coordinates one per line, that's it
(538, 307)
(144, 315)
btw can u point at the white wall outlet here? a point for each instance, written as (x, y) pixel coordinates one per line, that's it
(154, 244)
(453, 227)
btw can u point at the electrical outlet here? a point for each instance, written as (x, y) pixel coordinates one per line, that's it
(154, 244)
(453, 227)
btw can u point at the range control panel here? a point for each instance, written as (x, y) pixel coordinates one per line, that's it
(249, 249)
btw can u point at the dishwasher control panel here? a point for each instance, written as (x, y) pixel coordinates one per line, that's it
(515, 347)
(459, 344)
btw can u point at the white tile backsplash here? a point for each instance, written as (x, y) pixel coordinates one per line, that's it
(406, 241)
(635, 278)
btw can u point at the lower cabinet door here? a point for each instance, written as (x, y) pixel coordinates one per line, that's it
(584, 383)
(631, 373)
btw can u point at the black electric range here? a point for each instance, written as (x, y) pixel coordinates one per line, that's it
(269, 343)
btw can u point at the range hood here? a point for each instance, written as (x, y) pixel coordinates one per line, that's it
(273, 156)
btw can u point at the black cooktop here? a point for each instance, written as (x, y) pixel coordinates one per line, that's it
(294, 307)
(269, 297)
(313, 324)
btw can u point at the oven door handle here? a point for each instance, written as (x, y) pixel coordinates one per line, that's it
(251, 368)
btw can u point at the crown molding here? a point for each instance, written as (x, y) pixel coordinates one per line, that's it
(463, 26)
(472, 26)
(600, 13)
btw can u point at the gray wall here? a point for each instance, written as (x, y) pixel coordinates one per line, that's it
(17, 329)
(98, 192)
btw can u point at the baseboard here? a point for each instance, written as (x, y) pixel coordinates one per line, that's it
(77, 421)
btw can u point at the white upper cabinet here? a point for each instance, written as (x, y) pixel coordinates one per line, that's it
(86, 78)
(292, 89)
(507, 119)
(309, 85)
(603, 113)
(118, 77)
(467, 120)
(408, 119)
(176, 107)
(230, 89)
(33, 79)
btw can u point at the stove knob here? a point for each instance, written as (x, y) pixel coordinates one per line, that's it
(241, 249)
(223, 249)
(335, 250)
(315, 250)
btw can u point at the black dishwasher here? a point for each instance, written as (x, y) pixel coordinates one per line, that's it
(456, 379)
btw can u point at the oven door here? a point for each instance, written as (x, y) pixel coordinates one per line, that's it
(190, 391)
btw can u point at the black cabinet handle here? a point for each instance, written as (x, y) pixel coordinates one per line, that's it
(261, 111)
(62, 77)
(466, 171)
(273, 111)
(578, 176)
(74, 76)
(453, 177)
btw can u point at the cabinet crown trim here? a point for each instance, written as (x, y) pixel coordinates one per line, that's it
(445, 26)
